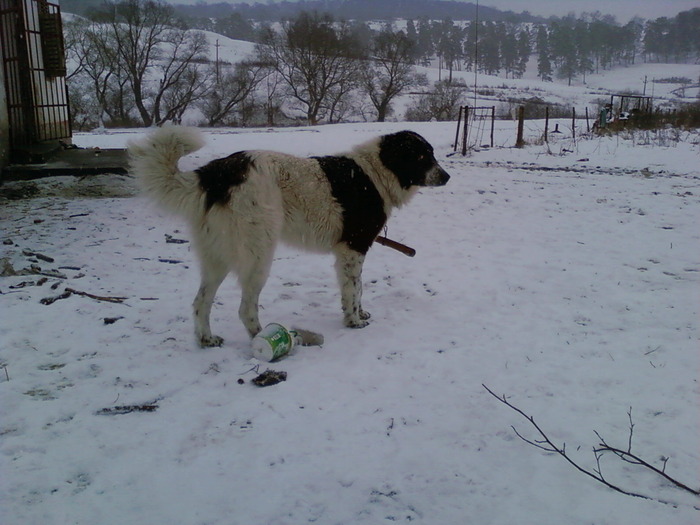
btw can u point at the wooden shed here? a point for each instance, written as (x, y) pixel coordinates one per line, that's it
(35, 125)
(33, 71)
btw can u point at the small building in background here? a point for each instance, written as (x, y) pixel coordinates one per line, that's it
(36, 114)
(35, 124)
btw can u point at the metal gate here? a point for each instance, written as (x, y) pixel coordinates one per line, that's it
(33, 60)
(476, 120)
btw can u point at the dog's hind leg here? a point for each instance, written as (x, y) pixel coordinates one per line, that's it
(252, 278)
(213, 274)
(348, 266)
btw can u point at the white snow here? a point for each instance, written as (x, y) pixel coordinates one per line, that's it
(664, 82)
(569, 285)
(229, 50)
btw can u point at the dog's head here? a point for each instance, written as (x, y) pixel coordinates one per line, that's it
(410, 157)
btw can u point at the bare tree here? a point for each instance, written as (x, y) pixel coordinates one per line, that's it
(154, 54)
(182, 77)
(272, 95)
(84, 105)
(91, 49)
(389, 71)
(74, 37)
(193, 84)
(235, 86)
(317, 61)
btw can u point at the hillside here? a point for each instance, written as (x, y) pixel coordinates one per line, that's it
(663, 83)
(344, 9)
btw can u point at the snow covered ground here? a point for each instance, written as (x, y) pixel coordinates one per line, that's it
(563, 276)
(662, 83)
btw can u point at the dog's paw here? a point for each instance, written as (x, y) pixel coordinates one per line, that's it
(352, 323)
(210, 341)
(364, 315)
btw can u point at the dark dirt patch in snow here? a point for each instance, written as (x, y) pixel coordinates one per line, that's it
(92, 186)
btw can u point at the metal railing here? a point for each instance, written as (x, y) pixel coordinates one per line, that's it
(34, 71)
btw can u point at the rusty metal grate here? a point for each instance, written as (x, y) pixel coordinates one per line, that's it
(34, 66)
(52, 44)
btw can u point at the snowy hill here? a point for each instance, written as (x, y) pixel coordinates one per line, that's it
(230, 50)
(663, 82)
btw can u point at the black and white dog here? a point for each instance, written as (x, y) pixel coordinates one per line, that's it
(240, 206)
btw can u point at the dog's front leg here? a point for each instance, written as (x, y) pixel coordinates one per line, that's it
(348, 265)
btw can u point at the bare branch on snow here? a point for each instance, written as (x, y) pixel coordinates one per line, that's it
(546, 444)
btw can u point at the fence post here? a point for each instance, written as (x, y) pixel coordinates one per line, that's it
(588, 126)
(546, 124)
(466, 130)
(519, 143)
(459, 122)
(493, 120)
(573, 123)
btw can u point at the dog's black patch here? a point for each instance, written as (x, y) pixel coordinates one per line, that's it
(363, 207)
(408, 155)
(218, 177)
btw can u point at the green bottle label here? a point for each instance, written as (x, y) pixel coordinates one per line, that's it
(279, 338)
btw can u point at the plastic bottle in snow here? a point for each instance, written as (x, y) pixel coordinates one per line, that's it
(274, 342)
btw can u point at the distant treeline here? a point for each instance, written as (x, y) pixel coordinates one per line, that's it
(363, 10)
(136, 62)
(566, 46)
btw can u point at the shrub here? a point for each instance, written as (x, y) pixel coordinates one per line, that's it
(440, 104)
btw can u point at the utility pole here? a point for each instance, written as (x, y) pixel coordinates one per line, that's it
(218, 79)
(476, 49)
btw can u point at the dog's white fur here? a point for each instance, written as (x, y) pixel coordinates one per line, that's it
(284, 198)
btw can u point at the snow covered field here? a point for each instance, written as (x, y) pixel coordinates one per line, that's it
(565, 278)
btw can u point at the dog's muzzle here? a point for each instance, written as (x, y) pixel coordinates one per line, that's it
(437, 177)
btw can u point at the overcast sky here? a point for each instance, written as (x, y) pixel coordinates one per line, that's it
(623, 10)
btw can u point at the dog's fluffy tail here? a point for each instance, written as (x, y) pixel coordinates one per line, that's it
(154, 162)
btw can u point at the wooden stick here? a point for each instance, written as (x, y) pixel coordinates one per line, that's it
(70, 291)
(50, 300)
(127, 409)
(406, 250)
(98, 297)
